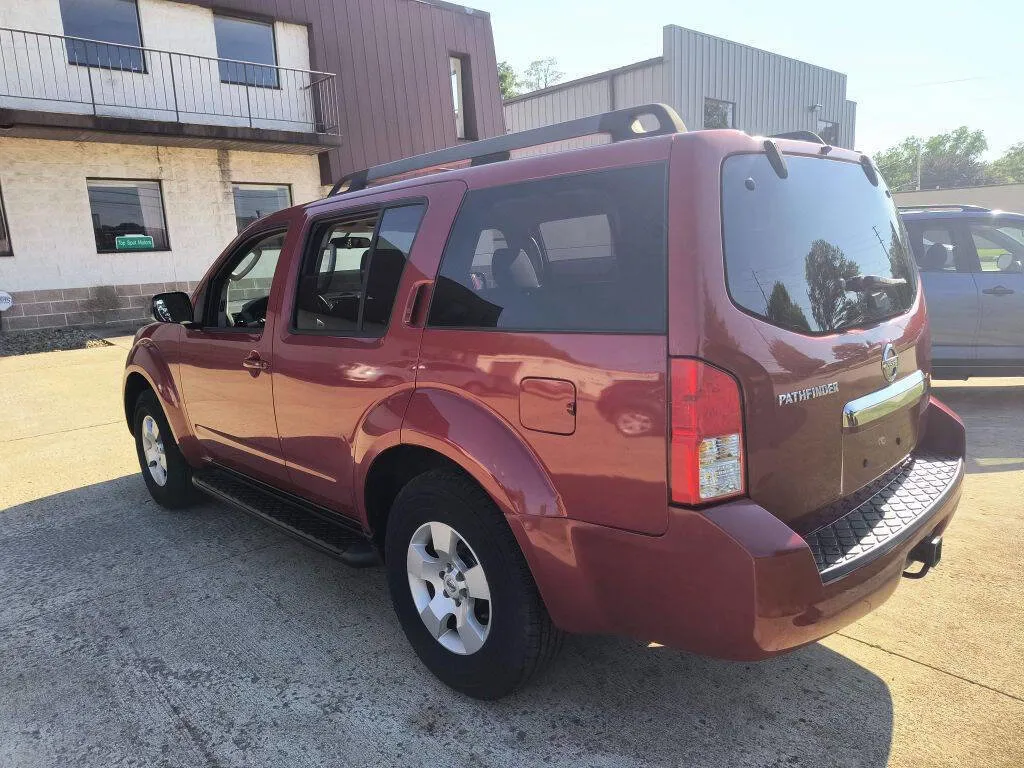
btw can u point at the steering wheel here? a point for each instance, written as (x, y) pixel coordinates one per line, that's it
(253, 313)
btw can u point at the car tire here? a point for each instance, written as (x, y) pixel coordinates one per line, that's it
(518, 638)
(169, 480)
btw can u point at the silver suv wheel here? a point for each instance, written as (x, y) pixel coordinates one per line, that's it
(449, 588)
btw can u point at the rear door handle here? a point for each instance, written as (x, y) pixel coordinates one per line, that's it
(254, 362)
(412, 307)
(999, 290)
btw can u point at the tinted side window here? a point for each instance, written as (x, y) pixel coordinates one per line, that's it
(935, 246)
(350, 279)
(574, 253)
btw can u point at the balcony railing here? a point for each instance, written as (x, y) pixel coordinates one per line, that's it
(54, 73)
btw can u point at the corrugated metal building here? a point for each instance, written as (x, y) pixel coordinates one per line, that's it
(712, 83)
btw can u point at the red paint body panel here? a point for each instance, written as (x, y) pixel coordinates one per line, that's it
(586, 485)
(732, 582)
(603, 474)
(326, 387)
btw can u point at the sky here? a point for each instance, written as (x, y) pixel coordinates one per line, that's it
(914, 68)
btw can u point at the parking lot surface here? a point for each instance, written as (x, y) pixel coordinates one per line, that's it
(130, 635)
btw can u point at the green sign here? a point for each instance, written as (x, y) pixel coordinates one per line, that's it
(133, 243)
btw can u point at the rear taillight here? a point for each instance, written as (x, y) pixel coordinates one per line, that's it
(707, 434)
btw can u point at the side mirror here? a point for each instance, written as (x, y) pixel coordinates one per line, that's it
(174, 307)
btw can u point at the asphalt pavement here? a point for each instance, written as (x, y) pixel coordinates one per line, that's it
(130, 635)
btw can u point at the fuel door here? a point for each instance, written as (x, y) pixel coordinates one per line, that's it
(548, 405)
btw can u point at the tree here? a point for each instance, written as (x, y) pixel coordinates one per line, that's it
(826, 266)
(782, 310)
(508, 80)
(947, 160)
(541, 73)
(1010, 167)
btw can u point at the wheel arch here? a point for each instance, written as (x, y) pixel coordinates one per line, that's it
(147, 369)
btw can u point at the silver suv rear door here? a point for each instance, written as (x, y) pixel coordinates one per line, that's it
(949, 289)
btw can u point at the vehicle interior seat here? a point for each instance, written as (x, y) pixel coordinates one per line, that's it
(935, 258)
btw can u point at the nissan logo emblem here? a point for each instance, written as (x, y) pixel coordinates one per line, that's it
(890, 362)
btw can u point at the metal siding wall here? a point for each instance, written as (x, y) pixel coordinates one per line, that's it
(634, 86)
(391, 59)
(772, 93)
(642, 85)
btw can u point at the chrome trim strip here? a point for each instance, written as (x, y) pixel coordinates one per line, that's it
(880, 404)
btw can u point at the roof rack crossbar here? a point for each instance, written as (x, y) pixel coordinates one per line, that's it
(619, 124)
(940, 207)
(810, 136)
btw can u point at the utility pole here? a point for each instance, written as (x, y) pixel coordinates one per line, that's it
(919, 147)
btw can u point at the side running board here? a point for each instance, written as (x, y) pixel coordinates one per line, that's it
(319, 528)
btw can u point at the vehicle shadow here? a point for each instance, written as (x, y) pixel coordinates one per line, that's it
(993, 436)
(134, 634)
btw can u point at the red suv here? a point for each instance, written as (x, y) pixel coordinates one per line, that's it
(673, 386)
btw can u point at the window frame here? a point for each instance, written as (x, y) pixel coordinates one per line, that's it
(276, 66)
(331, 218)
(967, 234)
(4, 223)
(141, 47)
(732, 114)
(660, 163)
(291, 197)
(163, 214)
(468, 111)
(209, 297)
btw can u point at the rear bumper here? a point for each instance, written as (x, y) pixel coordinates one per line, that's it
(732, 581)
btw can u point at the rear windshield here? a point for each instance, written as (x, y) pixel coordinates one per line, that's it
(819, 251)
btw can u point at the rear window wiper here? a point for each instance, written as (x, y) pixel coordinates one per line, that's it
(866, 283)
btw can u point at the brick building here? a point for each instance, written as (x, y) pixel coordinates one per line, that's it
(138, 137)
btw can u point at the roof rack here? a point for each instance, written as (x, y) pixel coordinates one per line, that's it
(950, 207)
(810, 136)
(621, 125)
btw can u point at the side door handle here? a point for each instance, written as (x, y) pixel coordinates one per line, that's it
(414, 306)
(999, 290)
(254, 362)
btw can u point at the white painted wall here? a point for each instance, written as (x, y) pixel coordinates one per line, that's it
(47, 204)
(37, 75)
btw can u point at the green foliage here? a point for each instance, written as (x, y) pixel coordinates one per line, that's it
(782, 310)
(826, 268)
(508, 80)
(1010, 167)
(947, 160)
(541, 73)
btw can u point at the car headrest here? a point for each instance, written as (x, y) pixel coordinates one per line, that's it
(513, 269)
(935, 258)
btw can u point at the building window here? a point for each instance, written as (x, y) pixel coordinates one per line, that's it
(246, 41)
(5, 233)
(829, 132)
(115, 22)
(719, 114)
(462, 97)
(127, 215)
(254, 201)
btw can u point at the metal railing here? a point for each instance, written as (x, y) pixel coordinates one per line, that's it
(55, 73)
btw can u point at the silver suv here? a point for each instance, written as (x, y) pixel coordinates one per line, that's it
(972, 267)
